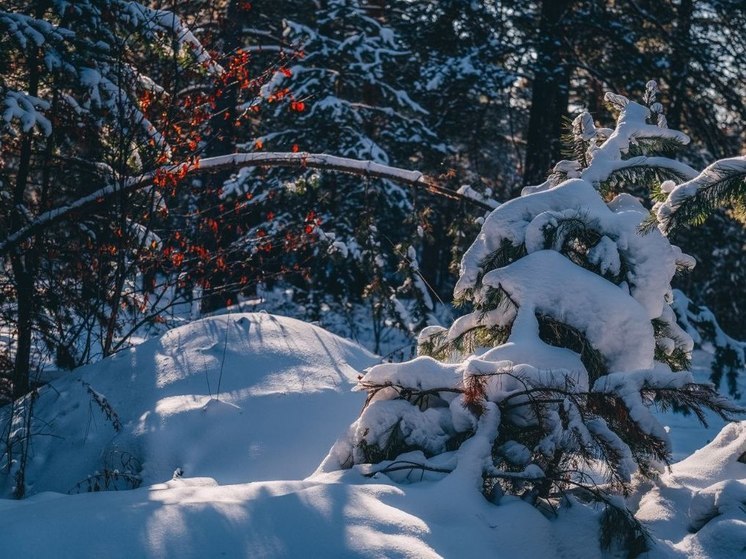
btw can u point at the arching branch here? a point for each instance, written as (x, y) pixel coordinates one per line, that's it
(301, 160)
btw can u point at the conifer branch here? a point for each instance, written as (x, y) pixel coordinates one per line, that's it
(721, 184)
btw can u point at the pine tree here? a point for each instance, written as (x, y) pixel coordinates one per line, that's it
(721, 184)
(714, 202)
(333, 238)
(460, 66)
(546, 385)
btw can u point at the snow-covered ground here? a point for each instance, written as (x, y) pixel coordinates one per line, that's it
(239, 398)
(344, 515)
(354, 324)
(247, 406)
(347, 515)
(698, 509)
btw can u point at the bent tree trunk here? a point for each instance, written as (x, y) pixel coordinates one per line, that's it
(87, 204)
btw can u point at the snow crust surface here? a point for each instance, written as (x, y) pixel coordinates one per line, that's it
(226, 397)
(277, 369)
(697, 509)
(341, 516)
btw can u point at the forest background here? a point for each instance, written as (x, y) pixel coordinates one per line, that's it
(118, 222)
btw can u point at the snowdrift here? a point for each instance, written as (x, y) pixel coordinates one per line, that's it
(339, 516)
(347, 515)
(238, 398)
(237, 402)
(698, 509)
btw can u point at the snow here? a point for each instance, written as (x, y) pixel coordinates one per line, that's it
(697, 509)
(342, 515)
(274, 368)
(224, 397)
(599, 172)
(423, 372)
(28, 110)
(595, 306)
(468, 192)
(608, 150)
(650, 259)
(543, 356)
(631, 126)
(242, 493)
(428, 430)
(510, 220)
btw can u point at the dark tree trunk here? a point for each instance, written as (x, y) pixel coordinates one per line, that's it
(549, 94)
(22, 259)
(680, 63)
(24, 325)
(223, 136)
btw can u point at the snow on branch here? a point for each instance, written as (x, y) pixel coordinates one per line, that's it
(299, 160)
(691, 202)
(164, 20)
(599, 173)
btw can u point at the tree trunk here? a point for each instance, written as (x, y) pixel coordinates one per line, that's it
(24, 326)
(223, 136)
(680, 63)
(22, 260)
(549, 94)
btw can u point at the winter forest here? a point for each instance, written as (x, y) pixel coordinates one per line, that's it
(373, 278)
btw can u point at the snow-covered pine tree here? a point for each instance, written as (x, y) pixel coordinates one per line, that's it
(721, 184)
(695, 202)
(462, 55)
(340, 96)
(545, 388)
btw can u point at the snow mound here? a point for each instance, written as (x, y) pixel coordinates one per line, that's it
(237, 398)
(698, 509)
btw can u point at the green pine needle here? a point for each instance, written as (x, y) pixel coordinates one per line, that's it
(726, 189)
(635, 180)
